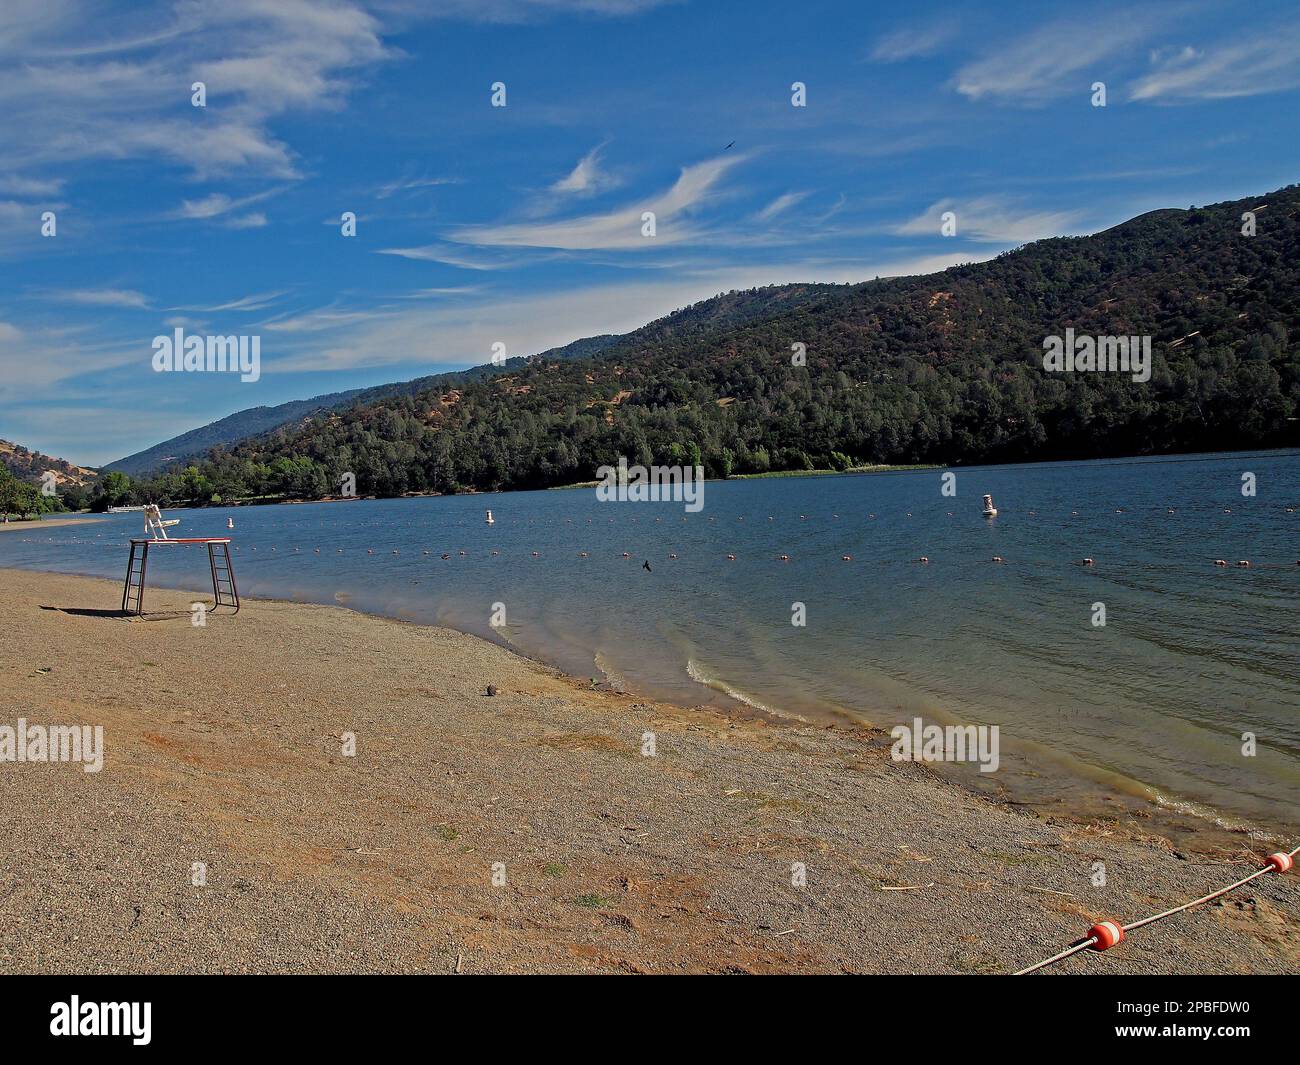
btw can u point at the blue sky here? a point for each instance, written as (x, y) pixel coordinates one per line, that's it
(522, 224)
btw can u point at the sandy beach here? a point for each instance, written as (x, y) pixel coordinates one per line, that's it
(224, 745)
(15, 525)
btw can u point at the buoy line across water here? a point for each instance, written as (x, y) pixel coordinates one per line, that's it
(1086, 562)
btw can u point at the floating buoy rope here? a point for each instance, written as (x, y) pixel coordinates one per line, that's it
(1087, 562)
(1106, 934)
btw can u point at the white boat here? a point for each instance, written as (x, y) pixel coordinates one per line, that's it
(990, 511)
(125, 510)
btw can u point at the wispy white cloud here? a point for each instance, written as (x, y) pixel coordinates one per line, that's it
(35, 361)
(833, 209)
(913, 42)
(14, 185)
(533, 10)
(1058, 57)
(619, 229)
(441, 293)
(290, 54)
(320, 321)
(70, 94)
(780, 205)
(989, 220)
(452, 255)
(410, 184)
(13, 214)
(100, 297)
(1256, 64)
(256, 302)
(218, 203)
(587, 178)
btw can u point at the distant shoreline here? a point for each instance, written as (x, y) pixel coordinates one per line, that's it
(886, 468)
(1172, 456)
(50, 523)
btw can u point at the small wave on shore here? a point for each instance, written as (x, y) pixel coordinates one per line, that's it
(612, 677)
(702, 675)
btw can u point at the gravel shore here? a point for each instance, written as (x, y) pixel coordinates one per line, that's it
(520, 832)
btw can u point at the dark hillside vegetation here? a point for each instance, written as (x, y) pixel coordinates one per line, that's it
(942, 368)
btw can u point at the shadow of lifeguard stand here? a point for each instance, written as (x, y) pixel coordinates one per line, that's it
(224, 592)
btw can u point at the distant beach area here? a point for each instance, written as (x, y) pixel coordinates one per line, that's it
(14, 525)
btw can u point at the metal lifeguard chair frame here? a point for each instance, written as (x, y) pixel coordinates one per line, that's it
(224, 592)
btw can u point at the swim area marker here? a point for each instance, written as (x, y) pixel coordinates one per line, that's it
(1107, 934)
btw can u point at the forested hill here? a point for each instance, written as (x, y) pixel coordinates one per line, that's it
(242, 425)
(228, 430)
(946, 367)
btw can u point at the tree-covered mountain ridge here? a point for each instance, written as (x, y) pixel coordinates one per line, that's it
(945, 367)
(242, 425)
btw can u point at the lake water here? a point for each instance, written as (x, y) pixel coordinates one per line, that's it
(1151, 705)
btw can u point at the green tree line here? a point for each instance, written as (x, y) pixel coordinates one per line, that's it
(22, 499)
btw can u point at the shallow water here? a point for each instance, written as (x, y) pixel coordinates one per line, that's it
(1153, 704)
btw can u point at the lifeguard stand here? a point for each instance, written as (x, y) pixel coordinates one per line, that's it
(224, 591)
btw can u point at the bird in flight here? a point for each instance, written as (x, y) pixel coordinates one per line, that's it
(731, 145)
(646, 566)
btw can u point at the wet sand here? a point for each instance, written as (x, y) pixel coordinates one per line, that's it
(224, 745)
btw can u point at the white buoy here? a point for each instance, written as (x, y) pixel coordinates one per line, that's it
(990, 511)
(489, 519)
(230, 523)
